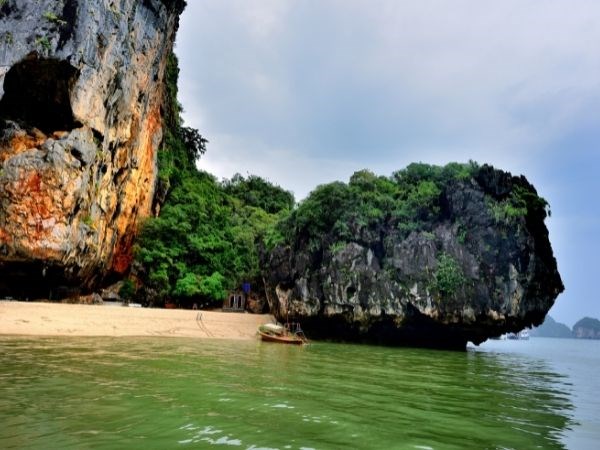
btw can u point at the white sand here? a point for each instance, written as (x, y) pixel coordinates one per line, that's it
(52, 319)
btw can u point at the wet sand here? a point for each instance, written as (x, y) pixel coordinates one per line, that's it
(52, 319)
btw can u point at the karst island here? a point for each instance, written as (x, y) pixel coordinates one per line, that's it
(101, 199)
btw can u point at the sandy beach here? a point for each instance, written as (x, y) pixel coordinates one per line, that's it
(52, 319)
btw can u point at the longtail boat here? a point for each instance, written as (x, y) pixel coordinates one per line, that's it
(271, 332)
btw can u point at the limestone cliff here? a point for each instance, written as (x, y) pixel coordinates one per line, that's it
(422, 260)
(81, 93)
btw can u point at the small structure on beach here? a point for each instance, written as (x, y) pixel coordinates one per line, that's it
(235, 301)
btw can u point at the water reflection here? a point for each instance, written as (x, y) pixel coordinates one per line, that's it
(102, 393)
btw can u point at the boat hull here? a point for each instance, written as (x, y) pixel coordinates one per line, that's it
(294, 340)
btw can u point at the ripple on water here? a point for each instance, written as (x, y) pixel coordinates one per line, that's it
(108, 393)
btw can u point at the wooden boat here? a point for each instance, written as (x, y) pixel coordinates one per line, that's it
(290, 339)
(271, 332)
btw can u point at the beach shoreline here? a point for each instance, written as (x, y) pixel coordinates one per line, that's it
(59, 319)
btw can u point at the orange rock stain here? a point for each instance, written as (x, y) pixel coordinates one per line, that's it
(137, 201)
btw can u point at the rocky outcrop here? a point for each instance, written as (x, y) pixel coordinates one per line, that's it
(587, 328)
(81, 92)
(479, 265)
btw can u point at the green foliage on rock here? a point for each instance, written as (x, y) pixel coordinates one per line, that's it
(51, 17)
(204, 242)
(449, 276)
(44, 43)
(340, 212)
(515, 206)
(257, 192)
(411, 200)
(175, 158)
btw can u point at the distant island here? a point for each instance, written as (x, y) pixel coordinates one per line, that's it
(552, 328)
(586, 328)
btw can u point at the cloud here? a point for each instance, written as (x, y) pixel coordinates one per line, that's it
(284, 167)
(349, 78)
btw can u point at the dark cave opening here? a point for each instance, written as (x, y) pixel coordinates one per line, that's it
(35, 280)
(37, 94)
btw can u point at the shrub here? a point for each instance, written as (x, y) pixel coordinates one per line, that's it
(449, 276)
(127, 291)
(51, 17)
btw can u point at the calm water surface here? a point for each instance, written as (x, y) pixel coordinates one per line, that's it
(90, 393)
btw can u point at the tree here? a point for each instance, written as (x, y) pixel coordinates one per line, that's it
(258, 192)
(193, 142)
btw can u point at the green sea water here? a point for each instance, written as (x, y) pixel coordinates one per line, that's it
(105, 393)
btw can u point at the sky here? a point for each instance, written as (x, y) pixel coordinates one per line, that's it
(305, 92)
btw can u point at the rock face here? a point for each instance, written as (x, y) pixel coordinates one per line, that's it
(475, 269)
(587, 328)
(81, 92)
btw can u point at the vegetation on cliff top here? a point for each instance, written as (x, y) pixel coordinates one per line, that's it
(340, 211)
(411, 200)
